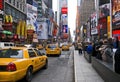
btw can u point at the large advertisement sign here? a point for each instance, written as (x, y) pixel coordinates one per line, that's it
(94, 24)
(104, 10)
(64, 10)
(42, 30)
(64, 19)
(115, 14)
(32, 16)
(116, 33)
(65, 29)
(102, 30)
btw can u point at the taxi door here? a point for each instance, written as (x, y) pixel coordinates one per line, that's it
(34, 59)
(41, 58)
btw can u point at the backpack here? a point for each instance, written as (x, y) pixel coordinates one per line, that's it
(108, 51)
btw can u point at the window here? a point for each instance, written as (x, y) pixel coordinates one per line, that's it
(14, 2)
(6, 44)
(38, 52)
(52, 46)
(7, 9)
(13, 12)
(9, 1)
(17, 4)
(24, 8)
(11, 53)
(20, 6)
(31, 53)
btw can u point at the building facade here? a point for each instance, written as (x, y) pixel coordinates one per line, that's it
(14, 11)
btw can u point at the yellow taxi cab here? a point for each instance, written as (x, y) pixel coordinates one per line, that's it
(53, 49)
(40, 47)
(65, 47)
(18, 63)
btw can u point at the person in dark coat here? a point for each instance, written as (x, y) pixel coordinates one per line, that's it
(117, 61)
(80, 48)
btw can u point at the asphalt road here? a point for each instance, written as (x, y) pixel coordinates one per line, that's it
(60, 69)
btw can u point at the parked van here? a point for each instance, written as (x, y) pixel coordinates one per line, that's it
(6, 44)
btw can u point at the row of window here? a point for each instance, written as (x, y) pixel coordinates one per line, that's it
(19, 4)
(15, 13)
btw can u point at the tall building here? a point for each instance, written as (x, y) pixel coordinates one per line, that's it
(77, 30)
(87, 7)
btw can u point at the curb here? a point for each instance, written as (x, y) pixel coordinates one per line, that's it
(75, 76)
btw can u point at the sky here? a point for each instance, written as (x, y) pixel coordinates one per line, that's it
(72, 7)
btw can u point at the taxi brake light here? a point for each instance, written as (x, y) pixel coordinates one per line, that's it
(11, 67)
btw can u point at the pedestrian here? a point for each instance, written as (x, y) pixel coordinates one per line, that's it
(94, 48)
(102, 49)
(89, 48)
(35, 40)
(116, 42)
(80, 48)
(89, 51)
(98, 53)
(107, 50)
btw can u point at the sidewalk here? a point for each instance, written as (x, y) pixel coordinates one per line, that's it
(84, 72)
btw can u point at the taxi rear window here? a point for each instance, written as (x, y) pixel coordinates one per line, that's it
(11, 53)
(52, 46)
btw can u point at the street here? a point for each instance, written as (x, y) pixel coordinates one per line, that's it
(60, 69)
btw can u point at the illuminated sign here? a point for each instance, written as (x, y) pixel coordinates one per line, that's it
(1, 4)
(65, 28)
(64, 10)
(116, 33)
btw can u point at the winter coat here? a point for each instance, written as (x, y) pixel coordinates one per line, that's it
(89, 49)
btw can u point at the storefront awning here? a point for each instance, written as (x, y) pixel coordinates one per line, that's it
(6, 32)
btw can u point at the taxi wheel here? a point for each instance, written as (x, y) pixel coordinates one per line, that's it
(28, 76)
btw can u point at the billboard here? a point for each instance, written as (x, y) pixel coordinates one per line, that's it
(65, 29)
(116, 33)
(102, 30)
(115, 14)
(42, 30)
(64, 19)
(94, 24)
(104, 10)
(32, 16)
(64, 10)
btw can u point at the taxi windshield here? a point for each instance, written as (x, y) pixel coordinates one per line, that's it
(11, 53)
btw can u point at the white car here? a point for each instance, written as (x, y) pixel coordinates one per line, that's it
(6, 44)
